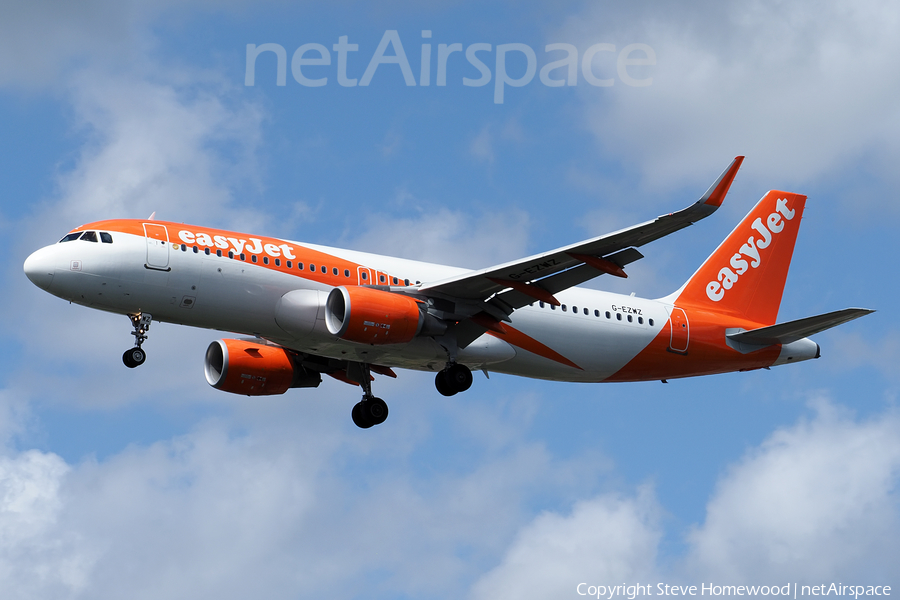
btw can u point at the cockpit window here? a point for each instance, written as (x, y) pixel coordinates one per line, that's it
(71, 237)
(105, 237)
(89, 236)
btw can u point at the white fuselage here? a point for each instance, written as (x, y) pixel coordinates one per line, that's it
(595, 333)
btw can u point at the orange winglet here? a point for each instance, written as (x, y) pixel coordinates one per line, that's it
(601, 264)
(538, 293)
(489, 323)
(715, 194)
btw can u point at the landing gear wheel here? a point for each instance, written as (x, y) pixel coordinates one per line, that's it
(134, 357)
(369, 412)
(377, 410)
(359, 416)
(460, 377)
(454, 379)
(442, 385)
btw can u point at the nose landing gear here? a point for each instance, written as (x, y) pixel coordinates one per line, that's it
(134, 357)
(453, 379)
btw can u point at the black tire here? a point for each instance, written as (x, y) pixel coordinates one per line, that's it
(442, 384)
(138, 356)
(134, 357)
(360, 416)
(459, 377)
(377, 410)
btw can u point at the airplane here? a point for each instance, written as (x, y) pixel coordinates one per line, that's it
(306, 310)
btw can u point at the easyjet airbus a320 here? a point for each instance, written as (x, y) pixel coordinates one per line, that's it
(314, 310)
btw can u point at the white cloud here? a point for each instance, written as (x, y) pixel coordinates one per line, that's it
(606, 540)
(802, 90)
(441, 235)
(159, 147)
(817, 500)
(814, 502)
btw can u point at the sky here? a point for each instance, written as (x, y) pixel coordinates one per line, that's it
(148, 483)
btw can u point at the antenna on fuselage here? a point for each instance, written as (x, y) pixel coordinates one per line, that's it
(152, 216)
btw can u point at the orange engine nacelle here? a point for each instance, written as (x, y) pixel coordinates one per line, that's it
(251, 369)
(370, 316)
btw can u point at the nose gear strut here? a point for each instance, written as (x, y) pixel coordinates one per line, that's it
(136, 356)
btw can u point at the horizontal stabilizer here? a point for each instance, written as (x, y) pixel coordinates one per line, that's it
(785, 333)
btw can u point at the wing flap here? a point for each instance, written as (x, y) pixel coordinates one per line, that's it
(785, 333)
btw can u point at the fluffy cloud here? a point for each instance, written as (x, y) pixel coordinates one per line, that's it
(608, 539)
(445, 236)
(291, 506)
(817, 500)
(802, 90)
(814, 502)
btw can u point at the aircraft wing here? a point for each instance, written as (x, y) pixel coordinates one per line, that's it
(538, 277)
(785, 333)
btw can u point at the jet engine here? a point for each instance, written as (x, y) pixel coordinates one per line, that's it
(251, 369)
(372, 316)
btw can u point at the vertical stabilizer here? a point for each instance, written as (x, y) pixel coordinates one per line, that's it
(745, 276)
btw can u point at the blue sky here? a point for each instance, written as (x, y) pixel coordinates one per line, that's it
(149, 483)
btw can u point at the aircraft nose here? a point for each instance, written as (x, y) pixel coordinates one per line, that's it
(39, 268)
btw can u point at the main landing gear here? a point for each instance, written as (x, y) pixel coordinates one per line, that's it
(370, 410)
(134, 357)
(453, 379)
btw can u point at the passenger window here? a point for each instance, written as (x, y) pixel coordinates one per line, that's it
(89, 236)
(650, 322)
(381, 278)
(334, 271)
(71, 237)
(575, 309)
(640, 320)
(608, 315)
(346, 272)
(630, 319)
(312, 267)
(230, 254)
(196, 249)
(277, 262)
(618, 316)
(206, 251)
(325, 269)
(184, 247)
(596, 313)
(253, 257)
(290, 265)
(564, 308)
(299, 266)
(552, 307)
(105, 237)
(365, 276)
(396, 281)
(541, 304)
(265, 260)
(218, 253)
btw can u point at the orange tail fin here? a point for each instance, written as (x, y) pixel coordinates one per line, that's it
(745, 275)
